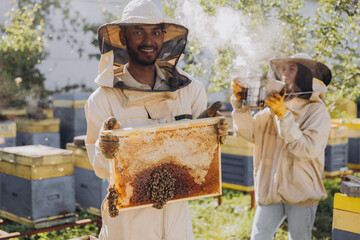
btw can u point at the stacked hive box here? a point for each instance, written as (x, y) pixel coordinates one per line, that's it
(12, 113)
(7, 133)
(237, 164)
(336, 152)
(37, 185)
(90, 190)
(70, 109)
(354, 140)
(346, 217)
(34, 132)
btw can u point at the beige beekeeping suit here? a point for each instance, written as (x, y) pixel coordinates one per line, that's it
(134, 104)
(289, 151)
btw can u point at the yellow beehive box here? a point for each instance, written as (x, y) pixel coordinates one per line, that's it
(346, 216)
(164, 163)
(69, 103)
(78, 148)
(12, 113)
(7, 129)
(338, 134)
(349, 108)
(36, 162)
(37, 125)
(353, 126)
(237, 146)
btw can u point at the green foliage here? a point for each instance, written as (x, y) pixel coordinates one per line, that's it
(22, 46)
(92, 28)
(232, 220)
(11, 95)
(331, 36)
(222, 69)
(337, 31)
(63, 234)
(324, 213)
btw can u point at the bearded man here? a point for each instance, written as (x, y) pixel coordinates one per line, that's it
(140, 85)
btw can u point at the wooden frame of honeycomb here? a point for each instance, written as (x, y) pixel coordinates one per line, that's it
(166, 163)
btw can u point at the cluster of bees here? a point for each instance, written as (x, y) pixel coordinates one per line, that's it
(161, 187)
(112, 200)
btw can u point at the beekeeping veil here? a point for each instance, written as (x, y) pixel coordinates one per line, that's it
(114, 53)
(319, 70)
(321, 74)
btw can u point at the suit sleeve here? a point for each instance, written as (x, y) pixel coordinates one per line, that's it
(97, 109)
(309, 141)
(199, 102)
(243, 123)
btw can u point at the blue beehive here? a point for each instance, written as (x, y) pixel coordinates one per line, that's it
(90, 190)
(38, 132)
(237, 164)
(336, 157)
(353, 126)
(70, 109)
(37, 185)
(7, 133)
(336, 152)
(354, 153)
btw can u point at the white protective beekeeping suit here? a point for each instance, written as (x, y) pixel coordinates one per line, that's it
(175, 97)
(289, 152)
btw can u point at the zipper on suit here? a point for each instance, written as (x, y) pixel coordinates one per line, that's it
(164, 223)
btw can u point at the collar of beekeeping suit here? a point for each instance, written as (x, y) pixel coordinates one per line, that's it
(139, 12)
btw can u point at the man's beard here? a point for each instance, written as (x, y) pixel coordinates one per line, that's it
(134, 56)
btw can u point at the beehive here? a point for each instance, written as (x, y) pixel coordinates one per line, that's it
(353, 126)
(336, 151)
(237, 164)
(12, 113)
(90, 190)
(37, 185)
(184, 157)
(7, 133)
(69, 108)
(38, 132)
(346, 217)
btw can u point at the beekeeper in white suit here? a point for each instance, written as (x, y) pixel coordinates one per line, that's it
(289, 137)
(139, 85)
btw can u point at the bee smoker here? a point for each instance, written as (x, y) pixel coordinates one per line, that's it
(254, 90)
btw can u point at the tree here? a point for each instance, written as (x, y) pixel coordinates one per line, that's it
(21, 49)
(331, 36)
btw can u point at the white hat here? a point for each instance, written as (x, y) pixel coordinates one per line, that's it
(319, 70)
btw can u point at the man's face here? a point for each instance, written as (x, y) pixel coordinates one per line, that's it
(143, 43)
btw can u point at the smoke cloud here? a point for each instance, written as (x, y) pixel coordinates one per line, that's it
(229, 28)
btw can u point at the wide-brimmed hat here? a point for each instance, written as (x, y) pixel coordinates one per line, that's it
(140, 12)
(318, 69)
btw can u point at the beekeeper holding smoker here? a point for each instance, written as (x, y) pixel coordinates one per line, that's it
(140, 85)
(289, 136)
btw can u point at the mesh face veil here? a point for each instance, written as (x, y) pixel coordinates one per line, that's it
(175, 40)
(145, 12)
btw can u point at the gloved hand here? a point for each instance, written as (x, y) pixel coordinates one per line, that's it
(276, 103)
(238, 94)
(109, 143)
(222, 126)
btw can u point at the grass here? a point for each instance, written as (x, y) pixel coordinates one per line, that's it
(229, 221)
